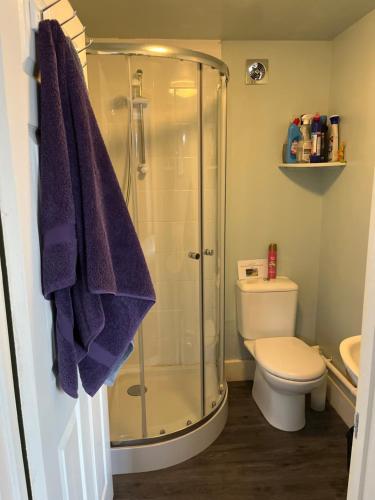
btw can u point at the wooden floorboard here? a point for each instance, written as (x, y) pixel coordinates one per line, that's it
(251, 460)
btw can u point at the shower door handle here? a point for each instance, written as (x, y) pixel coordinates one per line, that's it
(194, 255)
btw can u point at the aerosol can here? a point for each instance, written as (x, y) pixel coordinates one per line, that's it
(316, 139)
(333, 148)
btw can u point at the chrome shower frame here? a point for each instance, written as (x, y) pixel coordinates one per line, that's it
(149, 453)
(155, 50)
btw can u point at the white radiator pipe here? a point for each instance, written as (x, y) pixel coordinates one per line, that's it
(332, 368)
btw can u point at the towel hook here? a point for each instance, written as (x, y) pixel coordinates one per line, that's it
(86, 46)
(80, 33)
(49, 6)
(69, 18)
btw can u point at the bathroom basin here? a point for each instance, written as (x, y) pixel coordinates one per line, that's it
(350, 351)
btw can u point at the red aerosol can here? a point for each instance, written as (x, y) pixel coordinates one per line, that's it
(272, 261)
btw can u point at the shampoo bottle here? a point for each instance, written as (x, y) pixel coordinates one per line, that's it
(294, 136)
(272, 261)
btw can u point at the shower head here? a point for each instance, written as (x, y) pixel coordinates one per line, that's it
(119, 102)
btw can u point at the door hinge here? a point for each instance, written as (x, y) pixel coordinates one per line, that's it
(356, 424)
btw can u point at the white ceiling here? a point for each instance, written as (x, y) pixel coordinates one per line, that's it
(221, 19)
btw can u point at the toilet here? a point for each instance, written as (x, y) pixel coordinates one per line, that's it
(286, 368)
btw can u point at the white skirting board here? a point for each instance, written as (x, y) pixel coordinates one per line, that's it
(341, 400)
(239, 369)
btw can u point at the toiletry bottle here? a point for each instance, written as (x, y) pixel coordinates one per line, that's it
(341, 153)
(334, 138)
(272, 261)
(294, 135)
(316, 137)
(304, 145)
(324, 138)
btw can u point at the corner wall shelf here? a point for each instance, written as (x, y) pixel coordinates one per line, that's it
(313, 165)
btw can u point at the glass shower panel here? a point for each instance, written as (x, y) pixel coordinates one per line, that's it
(163, 121)
(166, 167)
(109, 88)
(211, 93)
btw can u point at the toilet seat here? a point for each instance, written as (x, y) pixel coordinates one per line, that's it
(289, 358)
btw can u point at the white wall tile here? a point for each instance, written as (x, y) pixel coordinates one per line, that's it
(167, 205)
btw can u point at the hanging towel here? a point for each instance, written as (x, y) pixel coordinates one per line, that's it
(111, 378)
(93, 268)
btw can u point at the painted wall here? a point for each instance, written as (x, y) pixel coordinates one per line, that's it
(346, 204)
(265, 203)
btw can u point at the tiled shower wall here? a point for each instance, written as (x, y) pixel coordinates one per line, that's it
(166, 196)
(168, 210)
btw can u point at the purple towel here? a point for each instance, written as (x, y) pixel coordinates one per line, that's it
(93, 267)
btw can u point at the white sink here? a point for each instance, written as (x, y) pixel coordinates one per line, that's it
(350, 350)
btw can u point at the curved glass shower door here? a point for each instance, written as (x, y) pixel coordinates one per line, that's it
(212, 88)
(160, 119)
(168, 225)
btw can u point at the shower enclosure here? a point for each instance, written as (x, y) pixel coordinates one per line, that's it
(162, 113)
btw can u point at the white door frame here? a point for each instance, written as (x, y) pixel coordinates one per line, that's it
(13, 481)
(362, 471)
(15, 163)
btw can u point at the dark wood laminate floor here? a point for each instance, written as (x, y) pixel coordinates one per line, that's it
(251, 460)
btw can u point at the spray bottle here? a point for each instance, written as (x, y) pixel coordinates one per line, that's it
(294, 136)
(304, 145)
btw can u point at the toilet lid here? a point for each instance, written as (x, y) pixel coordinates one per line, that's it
(289, 358)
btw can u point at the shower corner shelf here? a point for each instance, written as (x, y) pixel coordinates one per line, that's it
(314, 165)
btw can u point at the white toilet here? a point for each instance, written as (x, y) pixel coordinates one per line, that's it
(286, 368)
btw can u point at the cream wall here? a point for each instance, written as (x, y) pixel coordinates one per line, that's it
(265, 203)
(346, 204)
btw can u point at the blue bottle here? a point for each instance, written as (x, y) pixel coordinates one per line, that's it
(294, 136)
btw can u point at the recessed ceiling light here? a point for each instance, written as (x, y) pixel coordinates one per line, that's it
(156, 48)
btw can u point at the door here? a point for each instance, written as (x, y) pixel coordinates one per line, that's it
(361, 477)
(67, 441)
(213, 90)
(13, 480)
